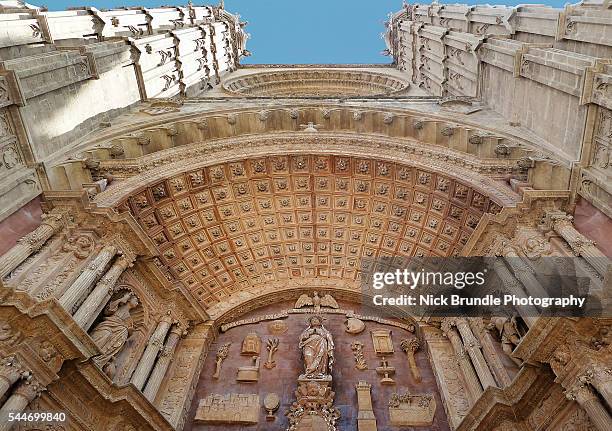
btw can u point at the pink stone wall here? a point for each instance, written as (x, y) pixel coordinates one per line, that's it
(595, 225)
(283, 379)
(23, 221)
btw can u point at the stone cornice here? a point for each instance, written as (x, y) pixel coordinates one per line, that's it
(530, 211)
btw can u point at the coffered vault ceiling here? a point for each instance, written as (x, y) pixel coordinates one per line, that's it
(239, 225)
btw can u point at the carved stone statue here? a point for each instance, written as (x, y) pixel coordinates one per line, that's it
(111, 333)
(508, 334)
(317, 347)
(316, 301)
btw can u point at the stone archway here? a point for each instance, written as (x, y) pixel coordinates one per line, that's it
(229, 218)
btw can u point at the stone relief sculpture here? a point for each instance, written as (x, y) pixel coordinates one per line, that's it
(354, 325)
(251, 345)
(316, 301)
(381, 340)
(385, 371)
(272, 347)
(357, 348)
(410, 346)
(271, 404)
(317, 347)
(250, 373)
(221, 355)
(412, 410)
(111, 334)
(313, 408)
(229, 409)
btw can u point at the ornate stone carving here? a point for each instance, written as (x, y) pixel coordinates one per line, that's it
(317, 347)
(271, 347)
(9, 336)
(357, 348)
(381, 340)
(313, 409)
(316, 301)
(411, 410)
(249, 374)
(277, 327)
(366, 421)
(410, 346)
(221, 355)
(251, 345)
(385, 371)
(113, 331)
(229, 409)
(509, 335)
(271, 404)
(354, 325)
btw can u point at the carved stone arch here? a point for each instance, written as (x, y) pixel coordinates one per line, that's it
(233, 217)
(315, 83)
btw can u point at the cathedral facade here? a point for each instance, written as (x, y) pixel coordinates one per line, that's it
(184, 238)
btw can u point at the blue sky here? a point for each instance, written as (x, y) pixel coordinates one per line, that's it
(298, 31)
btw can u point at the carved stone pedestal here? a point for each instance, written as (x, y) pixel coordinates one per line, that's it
(313, 409)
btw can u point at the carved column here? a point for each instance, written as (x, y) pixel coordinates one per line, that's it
(473, 348)
(9, 374)
(32, 242)
(88, 277)
(600, 378)
(410, 347)
(489, 351)
(584, 395)
(162, 364)
(23, 395)
(562, 224)
(85, 315)
(523, 272)
(366, 421)
(148, 357)
(527, 312)
(471, 379)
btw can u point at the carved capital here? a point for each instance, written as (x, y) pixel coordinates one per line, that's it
(29, 389)
(10, 368)
(581, 393)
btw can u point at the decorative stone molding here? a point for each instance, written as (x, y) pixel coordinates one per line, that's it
(315, 83)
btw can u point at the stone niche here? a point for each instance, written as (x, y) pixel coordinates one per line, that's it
(283, 378)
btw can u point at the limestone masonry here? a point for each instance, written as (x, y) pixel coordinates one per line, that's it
(184, 238)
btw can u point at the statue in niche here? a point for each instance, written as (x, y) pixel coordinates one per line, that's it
(317, 347)
(111, 334)
(509, 335)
